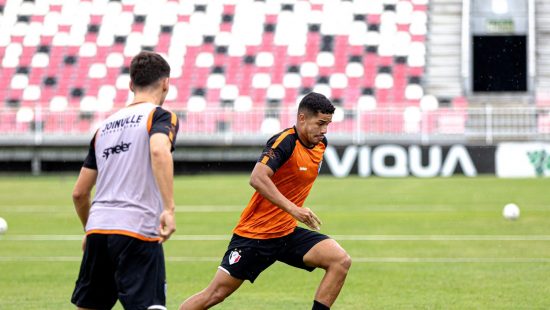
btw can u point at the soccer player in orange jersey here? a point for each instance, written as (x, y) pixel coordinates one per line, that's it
(267, 230)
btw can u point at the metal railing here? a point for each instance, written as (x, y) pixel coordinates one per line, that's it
(36, 126)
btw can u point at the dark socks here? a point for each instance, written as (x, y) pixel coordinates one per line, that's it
(319, 306)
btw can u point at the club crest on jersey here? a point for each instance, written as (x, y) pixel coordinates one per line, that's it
(234, 257)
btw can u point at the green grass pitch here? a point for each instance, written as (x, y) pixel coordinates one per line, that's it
(416, 243)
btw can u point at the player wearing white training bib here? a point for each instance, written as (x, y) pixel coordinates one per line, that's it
(127, 201)
(132, 213)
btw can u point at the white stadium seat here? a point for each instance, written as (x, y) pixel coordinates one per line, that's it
(404, 11)
(264, 59)
(205, 60)
(40, 60)
(31, 93)
(275, 92)
(270, 125)
(374, 7)
(88, 49)
(88, 104)
(309, 69)
(243, 104)
(325, 59)
(24, 115)
(97, 71)
(123, 81)
(414, 92)
(172, 93)
(384, 81)
(196, 104)
(115, 60)
(229, 92)
(338, 115)
(292, 80)
(355, 70)
(338, 80)
(429, 103)
(215, 81)
(19, 81)
(323, 89)
(261, 80)
(58, 104)
(367, 103)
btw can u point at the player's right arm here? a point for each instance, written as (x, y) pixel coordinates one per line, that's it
(260, 180)
(84, 184)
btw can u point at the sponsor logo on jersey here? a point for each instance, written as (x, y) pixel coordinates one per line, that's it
(234, 257)
(122, 147)
(303, 168)
(131, 121)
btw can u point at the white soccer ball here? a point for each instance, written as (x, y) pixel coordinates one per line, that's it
(511, 211)
(3, 226)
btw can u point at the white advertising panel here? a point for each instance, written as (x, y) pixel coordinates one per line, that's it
(522, 160)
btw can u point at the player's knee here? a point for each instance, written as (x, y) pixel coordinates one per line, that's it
(346, 261)
(342, 263)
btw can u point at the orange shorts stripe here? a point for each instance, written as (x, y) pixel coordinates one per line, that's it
(122, 232)
(265, 160)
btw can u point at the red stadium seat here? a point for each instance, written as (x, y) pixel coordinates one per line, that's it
(317, 57)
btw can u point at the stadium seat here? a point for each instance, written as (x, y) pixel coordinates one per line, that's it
(243, 55)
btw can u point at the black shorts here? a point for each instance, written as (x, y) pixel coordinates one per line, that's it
(246, 258)
(121, 267)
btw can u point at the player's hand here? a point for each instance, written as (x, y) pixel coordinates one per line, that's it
(306, 216)
(167, 225)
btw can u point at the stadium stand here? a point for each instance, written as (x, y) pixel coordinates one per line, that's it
(248, 61)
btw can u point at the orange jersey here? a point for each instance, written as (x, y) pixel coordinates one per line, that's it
(296, 167)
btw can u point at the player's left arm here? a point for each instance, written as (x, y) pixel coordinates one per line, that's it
(162, 142)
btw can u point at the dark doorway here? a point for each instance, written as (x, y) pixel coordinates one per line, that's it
(500, 64)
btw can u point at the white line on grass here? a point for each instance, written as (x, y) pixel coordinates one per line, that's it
(336, 237)
(239, 208)
(70, 209)
(188, 259)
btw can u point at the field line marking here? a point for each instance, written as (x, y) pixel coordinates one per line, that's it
(70, 209)
(190, 259)
(239, 208)
(442, 237)
(450, 260)
(336, 237)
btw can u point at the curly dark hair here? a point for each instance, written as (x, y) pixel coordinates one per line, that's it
(314, 103)
(147, 68)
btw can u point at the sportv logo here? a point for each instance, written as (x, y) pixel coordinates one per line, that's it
(122, 147)
(406, 161)
(540, 161)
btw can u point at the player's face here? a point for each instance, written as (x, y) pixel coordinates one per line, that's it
(314, 127)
